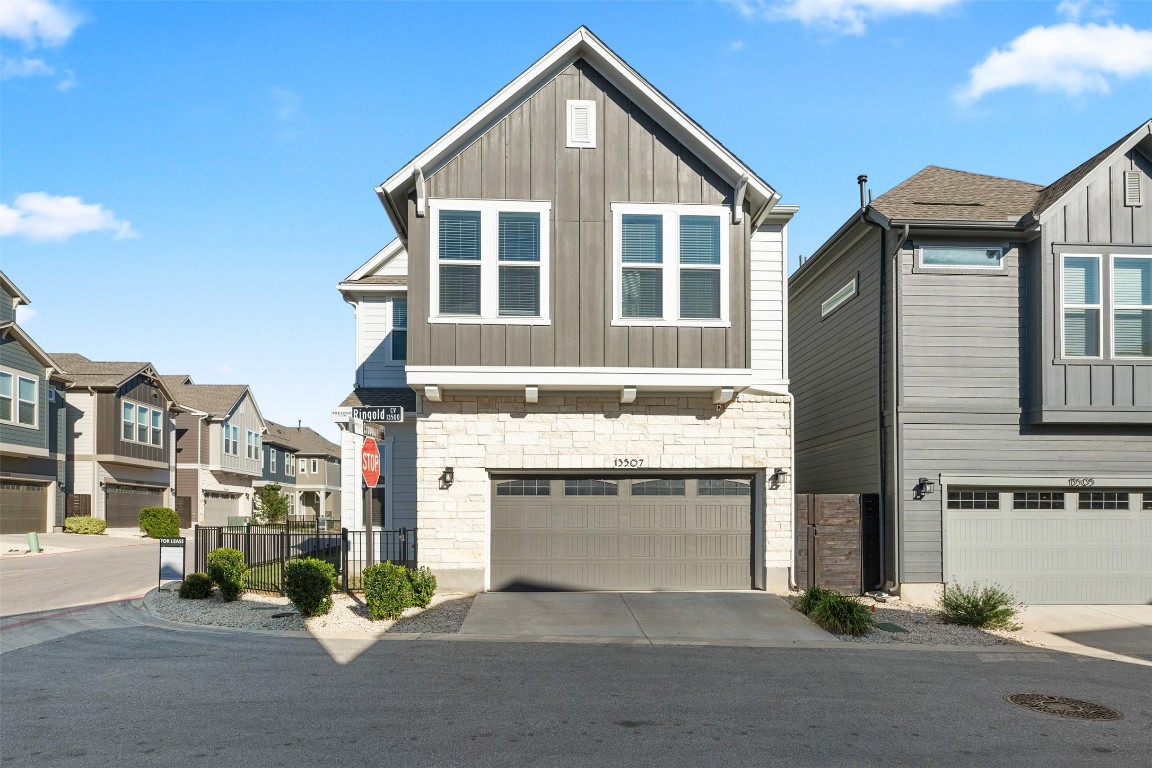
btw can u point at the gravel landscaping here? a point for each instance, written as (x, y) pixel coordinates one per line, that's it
(348, 615)
(923, 625)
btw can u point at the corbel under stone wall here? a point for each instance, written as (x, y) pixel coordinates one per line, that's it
(477, 435)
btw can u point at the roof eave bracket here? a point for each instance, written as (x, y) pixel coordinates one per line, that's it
(421, 192)
(738, 199)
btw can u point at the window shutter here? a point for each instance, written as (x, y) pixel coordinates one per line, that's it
(581, 124)
(1132, 190)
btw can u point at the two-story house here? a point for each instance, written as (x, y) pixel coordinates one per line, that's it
(975, 353)
(120, 419)
(314, 485)
(219, 452)
(279, 464)
(32, 426)
(592, 317)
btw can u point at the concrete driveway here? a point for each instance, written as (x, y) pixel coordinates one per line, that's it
(1121, 629)
(722, 618)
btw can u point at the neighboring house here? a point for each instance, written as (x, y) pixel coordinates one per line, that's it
(280, 464)
(219, 454)
(588, 290)
(976, 354)
(317, 487)
(120, 439)
(32, 426)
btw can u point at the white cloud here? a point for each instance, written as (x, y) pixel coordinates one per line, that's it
(41, 217)
(24, 313)
(736, 45)
(1071, 58)
(29, 67)
(287, 105)
(850, 17)
(1074, 10)
(37, 22)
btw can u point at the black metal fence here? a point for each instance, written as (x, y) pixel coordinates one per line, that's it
(266, 548)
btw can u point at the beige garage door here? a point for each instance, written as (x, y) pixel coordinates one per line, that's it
(663, 533)
(218, 507)
(23, 507)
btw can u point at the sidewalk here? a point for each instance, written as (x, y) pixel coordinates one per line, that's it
(16, 544)
(1090, 630)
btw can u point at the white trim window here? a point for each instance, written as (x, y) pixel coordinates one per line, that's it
(19, 399)
(271, 459)
(490, 261)
(1131, 306)
(399, 346)
(839, 299)
(315, 466)
(670, 264)
(953, 257)
(289, 464)
(1080, 276)
(141, 424)
(231, 439)
(252, 444)
(303, 466)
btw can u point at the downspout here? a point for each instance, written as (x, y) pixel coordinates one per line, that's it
(95, 468)
(897, 505)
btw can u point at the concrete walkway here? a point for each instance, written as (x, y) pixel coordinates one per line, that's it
(1090, 630)
(721, 618)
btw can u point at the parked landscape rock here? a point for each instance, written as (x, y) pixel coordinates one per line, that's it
(349, 615)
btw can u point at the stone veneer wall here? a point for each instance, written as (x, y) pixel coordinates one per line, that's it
(478, 434)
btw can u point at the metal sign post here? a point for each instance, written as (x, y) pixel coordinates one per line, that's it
(171, 559)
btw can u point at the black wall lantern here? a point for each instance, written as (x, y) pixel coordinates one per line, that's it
(923, 487)
(447, 478)
(778, 477)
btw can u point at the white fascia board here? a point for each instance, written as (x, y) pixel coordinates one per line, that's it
(382, 257)
(354, 288)
(508, 377)
(582, 43)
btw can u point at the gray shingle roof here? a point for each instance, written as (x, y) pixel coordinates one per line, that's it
(177, 380)
(375, 397)
(213, 399)
(96, 373)
(946, 194)
(1056, 189)
(280, 435)
(380, 280)
(305, 440)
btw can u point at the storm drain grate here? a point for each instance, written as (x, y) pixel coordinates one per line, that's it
(1063, 706)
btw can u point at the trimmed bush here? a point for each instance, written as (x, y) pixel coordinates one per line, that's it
(387, 590)
(228, 571)
(810, 596)
(309, 584)
(842, 615)
(196, 586)
(84, 524)
(423, 586)
(988, 607)
(160, 522)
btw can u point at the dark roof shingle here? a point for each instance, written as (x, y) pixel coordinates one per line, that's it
(96, 373)
(213, 399)
(303, 439)
(376, 397)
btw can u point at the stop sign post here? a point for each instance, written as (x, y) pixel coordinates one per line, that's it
(370, 471)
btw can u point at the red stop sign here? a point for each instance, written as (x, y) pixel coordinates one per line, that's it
(370, 462)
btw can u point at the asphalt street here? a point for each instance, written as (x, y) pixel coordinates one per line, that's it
(146, 696)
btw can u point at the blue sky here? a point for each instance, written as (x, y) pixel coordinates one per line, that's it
(185, 183)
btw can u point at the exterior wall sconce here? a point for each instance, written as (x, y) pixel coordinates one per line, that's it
(778, 477)
(447, 478)
(923, 487)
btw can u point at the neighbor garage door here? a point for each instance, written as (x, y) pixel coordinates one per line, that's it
(218, 507)
(668, 533)
(124, 502)
(1051, 546)
(23, 507)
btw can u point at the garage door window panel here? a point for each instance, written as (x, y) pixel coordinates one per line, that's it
(523, 488)
(1038, 500)
(661, 487)
(1100, 500)
(710, 487)
(973, 500)
(591, 488)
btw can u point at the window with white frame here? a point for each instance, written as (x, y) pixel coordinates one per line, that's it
(252, 444)
(19, 398)
(271, 459)
(838, 299)
(964, 257)
(1081, 292)
(1131, 306)
(315, 466)
(231, 439)
(490, 261)
(289, 464)
(670, 264)
(303, 466)
(141, 424)
(400, 329)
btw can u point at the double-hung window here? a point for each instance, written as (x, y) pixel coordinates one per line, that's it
(289, 464)
(399, 329)
(19, 398)
(231, 439)
(1132, 306)
(1107, 305)
(670, 264)
(1081, 291)
(271, 459)
(252, 445)
(490, 262)
(141, 424)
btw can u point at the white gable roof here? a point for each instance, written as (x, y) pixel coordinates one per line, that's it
(581, 44)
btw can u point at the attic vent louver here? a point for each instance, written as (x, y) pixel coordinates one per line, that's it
(581, 124)
(1132, 192)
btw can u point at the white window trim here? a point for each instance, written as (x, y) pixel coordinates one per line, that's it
(570, 110)
(1114, 306)
(834, 302)
(271, 459)
(15, 420)
(303, 466)
(289, 464)
(392, 359)
(920, 265)
(136, 406)
(489, 263)
(671, 213)
(1098, 306)
(315, 466)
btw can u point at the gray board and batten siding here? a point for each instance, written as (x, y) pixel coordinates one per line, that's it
(109, 416)
(524, 157)
(1092, 214)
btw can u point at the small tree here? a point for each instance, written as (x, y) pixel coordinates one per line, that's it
(272, 504)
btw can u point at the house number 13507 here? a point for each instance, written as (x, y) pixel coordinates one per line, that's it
(620, 463)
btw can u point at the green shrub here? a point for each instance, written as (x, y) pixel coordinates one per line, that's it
(227, 570)
(84, 524)
(423, 586)
(842, 615)
(160, 522)
(196, 586)
(988, 607)
(309, 583)
(810, 596)
(387, 590)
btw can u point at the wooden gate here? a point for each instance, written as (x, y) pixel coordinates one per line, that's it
(184, 510)
(77, 504)
(836, 542)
